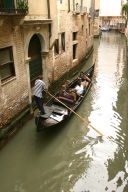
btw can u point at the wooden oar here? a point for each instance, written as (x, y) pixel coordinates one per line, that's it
(86, 122)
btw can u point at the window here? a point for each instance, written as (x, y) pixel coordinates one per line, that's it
(62, 42)
(6, 63)
(1, 3)
(81, 5)
(68, 5)
(6, 3)
(74, 36)
(74, 5)
(89, 28)
(74, 51)
(56, 47)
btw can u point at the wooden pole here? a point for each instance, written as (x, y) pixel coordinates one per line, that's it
(86, 122)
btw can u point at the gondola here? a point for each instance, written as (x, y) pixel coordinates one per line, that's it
(58, 107)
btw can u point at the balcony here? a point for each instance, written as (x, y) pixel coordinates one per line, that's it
(83, 10)
(78, 9)
(13, 7)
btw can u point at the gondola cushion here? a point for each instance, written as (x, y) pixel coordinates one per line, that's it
(66, 98)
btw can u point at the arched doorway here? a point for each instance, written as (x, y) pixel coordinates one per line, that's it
(35, 64)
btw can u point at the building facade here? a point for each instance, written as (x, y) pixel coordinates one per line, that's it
(96, 27)
(111, 16)
(38, 38)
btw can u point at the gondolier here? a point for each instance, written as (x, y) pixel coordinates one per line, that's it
(38, 96)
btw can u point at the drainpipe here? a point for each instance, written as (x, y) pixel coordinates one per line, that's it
(49, 17)
(68, 5)
(48, 6)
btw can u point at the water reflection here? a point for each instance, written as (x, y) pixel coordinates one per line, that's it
(108, 164)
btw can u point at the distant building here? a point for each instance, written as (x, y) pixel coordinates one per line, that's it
(39, 37)
(110, 15)
(126, 27)
(96, 26)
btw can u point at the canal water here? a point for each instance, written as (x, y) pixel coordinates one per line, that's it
(73, 157)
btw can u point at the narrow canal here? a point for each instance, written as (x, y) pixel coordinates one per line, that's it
(74, 158)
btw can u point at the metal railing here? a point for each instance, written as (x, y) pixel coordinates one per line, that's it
(18, 7)
(83, 9)
(78, 9)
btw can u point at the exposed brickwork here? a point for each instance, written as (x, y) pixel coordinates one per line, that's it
(70, 23)
(15, 94)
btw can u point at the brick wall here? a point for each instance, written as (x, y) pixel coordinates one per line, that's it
(70, 23)
(14, 93)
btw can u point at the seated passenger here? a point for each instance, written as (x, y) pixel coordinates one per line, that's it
(63, 89)
(67, 82)
(81, 76)
(65, 92)
(84, 79)
(84, 83)
(72, 93)
(79, 89)
(87, 78)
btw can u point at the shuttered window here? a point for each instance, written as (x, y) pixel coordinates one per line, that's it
(56, 47)
(6, 63)
(62, 42)
(74, 51)
(6, 3)
(74, 36)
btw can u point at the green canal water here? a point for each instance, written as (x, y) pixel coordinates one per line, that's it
(73, 157)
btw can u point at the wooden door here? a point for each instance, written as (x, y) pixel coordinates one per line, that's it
(34, 52)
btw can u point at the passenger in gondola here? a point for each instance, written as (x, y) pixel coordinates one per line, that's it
(79, 88)
(67, 92)
(67, 82)
(62, 90)
(84, 79)
(81, 76)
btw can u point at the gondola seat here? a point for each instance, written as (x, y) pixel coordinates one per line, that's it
(67, 99)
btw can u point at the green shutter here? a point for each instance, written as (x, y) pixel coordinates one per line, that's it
(35, 67)
(9, 3)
